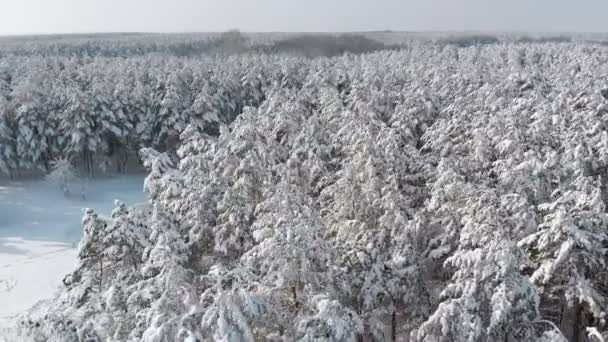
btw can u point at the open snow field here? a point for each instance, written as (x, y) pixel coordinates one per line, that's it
(36, 209)
(30, 271)
(39, 230)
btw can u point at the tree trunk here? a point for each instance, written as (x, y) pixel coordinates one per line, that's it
(125, 161)
(578, 321)
(394, 326)
(561, 314)
(90, 163)
(47, 167)
(604, 188)
(100, 274)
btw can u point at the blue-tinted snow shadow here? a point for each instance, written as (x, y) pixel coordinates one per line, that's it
(37, 210)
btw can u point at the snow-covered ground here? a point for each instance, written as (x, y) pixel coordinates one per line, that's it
(39, 228)
(36, 209)
(30, 271)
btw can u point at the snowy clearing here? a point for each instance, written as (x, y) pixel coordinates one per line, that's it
(30, 271)
(37, 209)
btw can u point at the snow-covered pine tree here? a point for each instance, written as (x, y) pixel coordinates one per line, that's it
(488, 297)
(78, 127)
(33, 130)
(8, 157)
(568, 254)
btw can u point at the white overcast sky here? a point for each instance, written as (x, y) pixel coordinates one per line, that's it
(70, 16)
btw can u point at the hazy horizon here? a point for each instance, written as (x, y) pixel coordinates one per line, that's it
(32, 17)
(422, 32)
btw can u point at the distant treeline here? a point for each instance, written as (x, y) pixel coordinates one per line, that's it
(189, 45)
(323, 45)
(480, 40)
(234, 42)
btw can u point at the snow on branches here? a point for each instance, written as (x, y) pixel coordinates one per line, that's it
(434, 193)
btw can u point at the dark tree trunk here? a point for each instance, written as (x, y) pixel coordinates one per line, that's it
(578, 322)
(90, 165)
(561, 314)
(125, 160)
(394, 326)
(604, 188)
(47, 167)
(100, 274)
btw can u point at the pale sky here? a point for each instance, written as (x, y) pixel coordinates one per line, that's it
(85, 16)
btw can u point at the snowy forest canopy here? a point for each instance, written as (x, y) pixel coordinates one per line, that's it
(430, 192)
(97, 99)
(97, 102)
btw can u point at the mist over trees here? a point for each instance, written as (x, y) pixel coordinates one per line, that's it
(429, 193)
